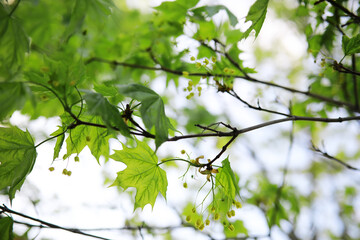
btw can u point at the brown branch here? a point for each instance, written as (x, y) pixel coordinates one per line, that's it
(326, 155)
(258, 108)
(345, 10)
(247, 78)
(223, 149)
(50, 225)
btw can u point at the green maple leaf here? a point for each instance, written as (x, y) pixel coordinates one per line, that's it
(142, 172)
(17, 158)
(97, 139)
(226, 180)
(256, 15)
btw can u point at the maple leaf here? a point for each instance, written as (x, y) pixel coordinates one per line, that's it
(142, 172)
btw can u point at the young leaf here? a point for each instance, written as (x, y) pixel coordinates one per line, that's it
(59, 141)
(152, 109)
(226, 180)
(212, 10)
(12, 97)
(351, 45)
(256, 15)
(6, 228)
(142, 172)
(100, 106)
(17, 158)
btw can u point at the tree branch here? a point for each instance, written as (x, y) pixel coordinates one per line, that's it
(326, 155)
(50, 225)
(246, 78)
(345, 10)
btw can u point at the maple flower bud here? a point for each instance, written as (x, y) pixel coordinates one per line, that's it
(238, 205)
(51, 169)
(231, 227)
(201, 227)
(185, 74)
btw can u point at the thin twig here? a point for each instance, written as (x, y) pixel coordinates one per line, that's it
(345, 10)
(50, 225)
(223, 149)
(14, 8)
(326, 155)
(246, 77)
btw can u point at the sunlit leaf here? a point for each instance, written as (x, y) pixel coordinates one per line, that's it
(142, 172)
(96, 138)
(256, 15)
(226, 179)
(17, 158)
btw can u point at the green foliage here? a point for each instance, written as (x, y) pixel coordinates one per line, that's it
(13, 40)
(152, 110)
(210, 11)
(98, 105)
(6, 228)
(17, 157)
(256, 15)
(226, 180)
(97, 139)
(12, 97)
(94, 66)
(351, 45)
(142, 172)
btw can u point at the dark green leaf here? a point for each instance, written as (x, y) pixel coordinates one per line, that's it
(256, 15)
(13, 40)
(17, 158)
(212, 10)
(98, 105)
(6, 228)
(152, 109)
(351, 45)
(12, 97)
